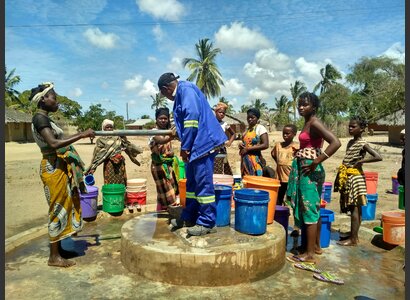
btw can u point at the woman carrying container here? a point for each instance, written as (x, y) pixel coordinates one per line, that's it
(221, 164)
(61, 171)
(108, 150)
(350, 180)
(163, 159)
(255, 139)
(307, 175)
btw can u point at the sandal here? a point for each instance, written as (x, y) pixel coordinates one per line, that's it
(307, 267)
(297, 259)
(327, 277)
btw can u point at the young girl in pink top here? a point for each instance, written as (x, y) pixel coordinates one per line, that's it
(307, 175)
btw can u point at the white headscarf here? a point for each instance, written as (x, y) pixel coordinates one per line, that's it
(107, 122)
(37, 97)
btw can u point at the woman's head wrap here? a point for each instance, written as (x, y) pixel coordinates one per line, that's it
(255, 112)
(107, 122)
(162, 111)
(40, 94)
(221, 105)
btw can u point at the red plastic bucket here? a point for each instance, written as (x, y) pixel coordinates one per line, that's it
(136, 198)
(371, 182)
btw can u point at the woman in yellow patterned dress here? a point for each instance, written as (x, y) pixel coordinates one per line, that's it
(61, 171)
(254, 140)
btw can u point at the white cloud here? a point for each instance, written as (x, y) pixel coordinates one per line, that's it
(105, 85)
(152, 59)
(309, 69)
(175, 65)
(133, 83)
(239, 37)
(232, 87)
(100, 39)
(169, 10)
(272, 59)
(158, 33)
(77, 92)
(148, 89)
(396, 51)
(257, 93)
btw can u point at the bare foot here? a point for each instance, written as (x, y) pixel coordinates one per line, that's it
(60, 262)
(318, 251)
(347, 242)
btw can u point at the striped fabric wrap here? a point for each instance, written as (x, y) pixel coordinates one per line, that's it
(350, 180)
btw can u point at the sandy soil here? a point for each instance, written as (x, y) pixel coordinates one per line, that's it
(26, 207)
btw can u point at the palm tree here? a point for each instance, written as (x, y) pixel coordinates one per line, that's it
(257, 103)
(11, 95)
(158, 101)
(329, 76)
(295, 91)
(204, 69)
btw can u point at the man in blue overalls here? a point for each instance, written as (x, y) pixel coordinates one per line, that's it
(200, 135)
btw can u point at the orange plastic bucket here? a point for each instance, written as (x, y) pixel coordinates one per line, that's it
(394, 227)
(182, 192)
(267, 184)
(371, 182)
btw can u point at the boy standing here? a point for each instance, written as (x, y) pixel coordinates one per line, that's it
(282, 153)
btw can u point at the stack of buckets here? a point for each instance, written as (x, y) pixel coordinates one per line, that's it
(225, 180)
(267, 184)
(113, 197)
(327, 192)
(369, 211)
(136, 192)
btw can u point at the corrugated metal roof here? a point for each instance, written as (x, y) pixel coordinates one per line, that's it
(395, 119)
(15, 116)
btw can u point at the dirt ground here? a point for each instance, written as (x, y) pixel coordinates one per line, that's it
(26, 207)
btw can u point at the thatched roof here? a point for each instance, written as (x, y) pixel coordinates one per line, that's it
(242, 118)
(395, 119)
(15, 116)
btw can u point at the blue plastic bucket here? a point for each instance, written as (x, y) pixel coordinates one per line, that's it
(223, 195)
(369, 211)
(327, 191)
(327, 217)
(89, 179)
(88, 202)
(251, 211)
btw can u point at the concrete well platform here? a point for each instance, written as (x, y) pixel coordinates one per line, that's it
(149, 248)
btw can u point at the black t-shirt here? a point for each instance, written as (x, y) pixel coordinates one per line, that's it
(41, 121)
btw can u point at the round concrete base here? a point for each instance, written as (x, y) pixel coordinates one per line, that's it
(150, 248)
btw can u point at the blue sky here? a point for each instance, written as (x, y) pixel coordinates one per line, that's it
(113, 52)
